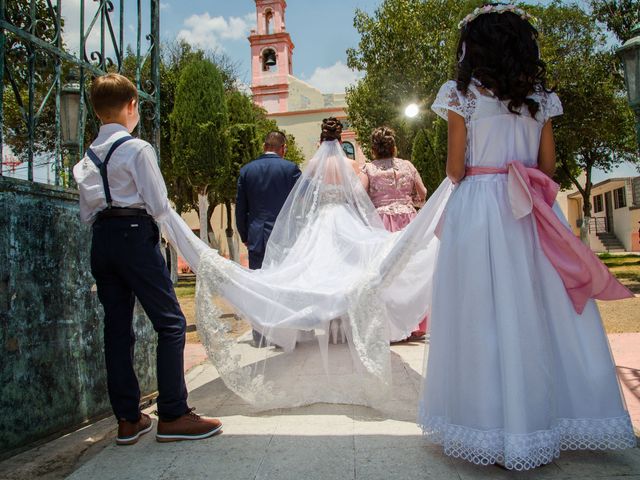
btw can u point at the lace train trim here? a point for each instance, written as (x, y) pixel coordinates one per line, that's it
(527, 451)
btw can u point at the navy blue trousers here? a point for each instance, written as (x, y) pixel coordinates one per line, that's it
(255, 263)
(255, 260)
(127, 264)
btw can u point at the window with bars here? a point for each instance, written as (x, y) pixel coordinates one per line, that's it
(619, 198)
(597, 203)
(635, 189)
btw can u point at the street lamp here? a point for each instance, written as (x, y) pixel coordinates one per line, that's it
(630, 55)
(70, 119)
(70, 113)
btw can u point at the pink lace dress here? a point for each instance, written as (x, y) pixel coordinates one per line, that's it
(395, 187)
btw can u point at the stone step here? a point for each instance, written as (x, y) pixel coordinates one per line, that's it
(610, 242)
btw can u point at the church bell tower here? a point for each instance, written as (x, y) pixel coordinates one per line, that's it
(271, 56)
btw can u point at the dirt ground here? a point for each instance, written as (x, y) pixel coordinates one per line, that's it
(621, 316)
(186, 292)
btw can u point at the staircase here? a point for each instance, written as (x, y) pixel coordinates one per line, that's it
(610, 242)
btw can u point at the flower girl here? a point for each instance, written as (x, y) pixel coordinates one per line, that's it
(519, 365)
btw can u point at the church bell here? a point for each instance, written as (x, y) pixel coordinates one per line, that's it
(270, 58)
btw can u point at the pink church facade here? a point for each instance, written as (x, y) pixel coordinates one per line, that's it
(297, 107)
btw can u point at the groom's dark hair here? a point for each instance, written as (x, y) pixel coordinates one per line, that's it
(274, 140)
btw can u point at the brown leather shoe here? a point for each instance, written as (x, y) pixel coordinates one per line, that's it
(187, 427)
(130, 432)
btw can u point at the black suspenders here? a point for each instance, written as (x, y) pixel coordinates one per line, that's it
(102, 166)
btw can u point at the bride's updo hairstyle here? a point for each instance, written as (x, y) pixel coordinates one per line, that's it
(383, 143)
(500, 49)
(331, 129)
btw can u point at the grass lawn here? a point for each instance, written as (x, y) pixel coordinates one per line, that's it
(623, 315)
(186, 292)
(619, 317)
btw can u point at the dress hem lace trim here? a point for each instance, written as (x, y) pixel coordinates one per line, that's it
(530, 450)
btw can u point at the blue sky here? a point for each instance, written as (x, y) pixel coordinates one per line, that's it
(321, 32)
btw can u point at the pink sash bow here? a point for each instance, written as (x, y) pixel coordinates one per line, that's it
(583, 274)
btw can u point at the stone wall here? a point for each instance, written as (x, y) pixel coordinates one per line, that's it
(52, 374)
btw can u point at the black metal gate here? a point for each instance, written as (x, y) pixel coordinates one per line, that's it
(42, 59)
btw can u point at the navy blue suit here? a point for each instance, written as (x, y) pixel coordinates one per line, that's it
(263, 186)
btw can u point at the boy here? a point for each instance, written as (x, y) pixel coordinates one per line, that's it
(122, 192)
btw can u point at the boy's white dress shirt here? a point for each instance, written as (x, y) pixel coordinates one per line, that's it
(135, 181)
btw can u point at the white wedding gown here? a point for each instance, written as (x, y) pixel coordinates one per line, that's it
(322, 271)
(330, 264)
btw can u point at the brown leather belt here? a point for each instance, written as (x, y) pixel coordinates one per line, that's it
(122, 212)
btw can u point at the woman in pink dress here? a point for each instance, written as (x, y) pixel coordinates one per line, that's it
(395, 187)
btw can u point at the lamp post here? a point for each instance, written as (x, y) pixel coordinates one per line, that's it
(630, 55)
(70, 120)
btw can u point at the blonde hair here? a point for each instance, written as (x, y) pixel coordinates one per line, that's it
(110, 93)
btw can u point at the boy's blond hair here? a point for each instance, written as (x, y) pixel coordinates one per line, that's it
(110, 93)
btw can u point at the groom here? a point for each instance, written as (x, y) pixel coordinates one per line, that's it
(263, 186)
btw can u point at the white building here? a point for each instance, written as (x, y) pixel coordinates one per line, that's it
(615, 214)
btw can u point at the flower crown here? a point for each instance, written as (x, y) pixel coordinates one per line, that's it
(495, 9)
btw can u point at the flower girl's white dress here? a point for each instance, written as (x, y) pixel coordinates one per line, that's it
(514, 374)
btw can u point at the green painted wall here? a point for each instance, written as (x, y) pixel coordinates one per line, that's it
(52, 374)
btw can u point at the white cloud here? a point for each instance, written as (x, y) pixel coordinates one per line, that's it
(71, 33)
(209, 32)
(164, 6)
(334, 79)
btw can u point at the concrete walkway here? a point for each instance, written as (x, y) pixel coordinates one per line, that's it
(626, 353)
(320, 441)
(339, 441)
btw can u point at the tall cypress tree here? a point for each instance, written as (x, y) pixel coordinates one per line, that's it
(199, 138)
(429, 154)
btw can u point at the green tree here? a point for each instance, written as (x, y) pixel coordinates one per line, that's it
(595, 132)
(429, 154)
(174, 58)
(398, 71)
(199, 140)
(245, 147)
(620, 16)
(597, 128)
(294, 152)
(18, 55)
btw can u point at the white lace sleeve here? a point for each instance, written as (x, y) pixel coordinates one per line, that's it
(449, 98)
(551, 105)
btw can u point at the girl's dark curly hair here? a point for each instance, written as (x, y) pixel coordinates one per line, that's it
(331, 129)
(383, 142)
(500, 50)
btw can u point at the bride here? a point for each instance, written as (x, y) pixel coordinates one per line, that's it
(329, 264)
